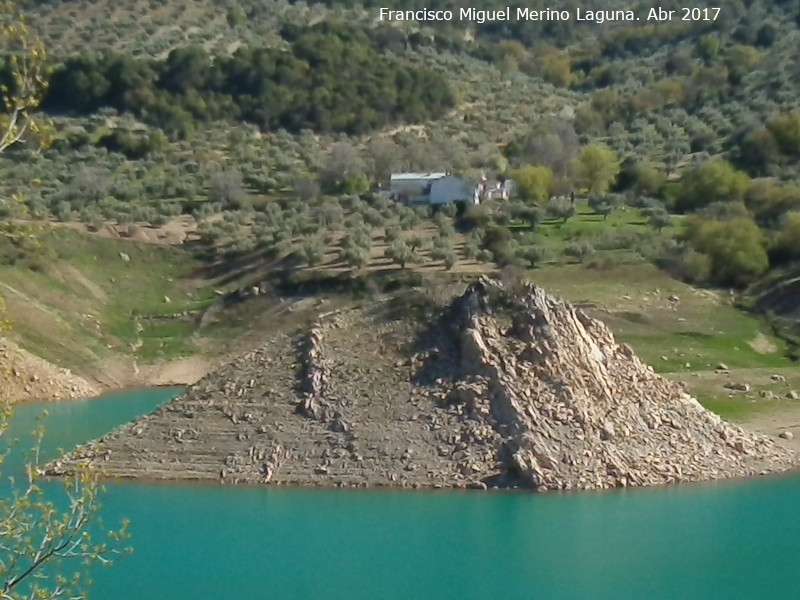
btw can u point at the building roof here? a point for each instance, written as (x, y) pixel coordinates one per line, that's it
(416, 176)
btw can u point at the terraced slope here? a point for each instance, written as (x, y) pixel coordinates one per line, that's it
(506, 388)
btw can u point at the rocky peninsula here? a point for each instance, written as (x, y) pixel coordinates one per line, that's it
(504, 386)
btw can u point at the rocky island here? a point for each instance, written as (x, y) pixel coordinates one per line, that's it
(504, 386)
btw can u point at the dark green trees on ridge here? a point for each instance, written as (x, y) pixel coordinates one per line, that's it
(329, 81)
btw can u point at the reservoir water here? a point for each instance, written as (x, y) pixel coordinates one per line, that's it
(724, 541)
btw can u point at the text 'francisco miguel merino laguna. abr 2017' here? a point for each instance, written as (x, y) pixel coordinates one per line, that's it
(527, 14)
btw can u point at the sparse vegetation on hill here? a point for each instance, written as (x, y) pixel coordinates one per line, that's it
(630, 144)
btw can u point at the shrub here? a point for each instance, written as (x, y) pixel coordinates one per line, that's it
(312, 252)
(694, 267)
(533, 255)
(401, 253)
(659, 219)
(714, 181)
(354, 257)
(579, 250)
(393, 233)
(736, 249)
(561, 209)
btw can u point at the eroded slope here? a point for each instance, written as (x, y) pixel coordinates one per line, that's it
(506, 388)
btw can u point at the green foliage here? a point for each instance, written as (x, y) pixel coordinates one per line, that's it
(444, 224)
(358, 237)
(769, 201)
(226, 188)
(312, 252)
(331, 79)
(695, 267)
(46, 551)
(552, 65)
(741, 60)
(659, 219)
(579, 250)
(531, 254)
(402, 253)
(758, 151)
(647, 180)
(355, 257)
(596, 169)
(561, 209)
(736, 249)
(604, 205)
(393, 233)
(786, 130)
(533, 183)
(788, 239)
(714, 181)
(529, 214)
(443, 251)
(415, 242)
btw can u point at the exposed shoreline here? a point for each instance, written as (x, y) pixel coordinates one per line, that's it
(790, 473)
(509, 389)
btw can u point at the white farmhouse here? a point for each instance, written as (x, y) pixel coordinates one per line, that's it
(411, 186)
(453, 190)
(434, 189)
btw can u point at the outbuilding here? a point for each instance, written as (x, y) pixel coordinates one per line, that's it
(453, 190)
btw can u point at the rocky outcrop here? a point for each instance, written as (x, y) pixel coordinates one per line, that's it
(578, 410)
(28, 378)
(503, 390)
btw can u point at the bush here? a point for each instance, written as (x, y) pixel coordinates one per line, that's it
(736, 249)
(605, 205)
(312, 252)
(354, 257)
(694, 267)
(477, 216)
(393, 233)
(533, 255)
(497, 239)
(561, 209)
(715, 181)
(601, 263)
(579, 250)
(659, 219)
(401, 253)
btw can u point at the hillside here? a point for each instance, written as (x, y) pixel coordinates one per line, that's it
(505, 387)
(674, 141)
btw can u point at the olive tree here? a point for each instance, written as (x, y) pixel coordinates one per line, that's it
(402, 253)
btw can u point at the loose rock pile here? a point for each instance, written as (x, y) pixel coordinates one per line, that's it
(504, 390)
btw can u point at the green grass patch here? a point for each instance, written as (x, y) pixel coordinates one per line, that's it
(740, 409)
(699, 329)
(166, 340)
(86, 301)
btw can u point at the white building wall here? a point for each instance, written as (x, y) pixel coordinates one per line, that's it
(413, 184)
(449, 190)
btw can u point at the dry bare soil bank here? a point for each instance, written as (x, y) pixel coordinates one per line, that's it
(501, 387)
(25, 377)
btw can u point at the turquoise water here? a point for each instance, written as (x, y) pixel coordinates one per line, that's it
(721, 541)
